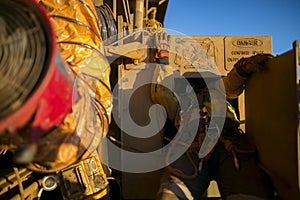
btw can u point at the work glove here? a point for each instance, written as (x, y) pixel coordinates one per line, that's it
(162, 43)
(246, 66)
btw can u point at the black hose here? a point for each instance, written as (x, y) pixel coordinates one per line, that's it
(108, 29)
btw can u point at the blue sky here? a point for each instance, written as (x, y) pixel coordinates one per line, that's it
(277, 18)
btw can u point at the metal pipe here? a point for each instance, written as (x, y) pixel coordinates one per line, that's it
(146, 8)
(115, 9)
(126, 11)
(152, 13)
(139, 14)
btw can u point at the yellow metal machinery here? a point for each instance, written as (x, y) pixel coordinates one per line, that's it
(283, 167)
(274, 123)
(116, 33)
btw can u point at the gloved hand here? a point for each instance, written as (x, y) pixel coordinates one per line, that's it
(162, 42)
(247, 66)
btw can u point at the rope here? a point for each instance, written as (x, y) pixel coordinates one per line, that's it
(194, 149)
(230, 147)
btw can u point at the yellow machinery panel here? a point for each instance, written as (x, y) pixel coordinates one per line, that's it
(272, 119)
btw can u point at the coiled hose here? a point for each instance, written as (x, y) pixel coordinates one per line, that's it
(79, 39)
